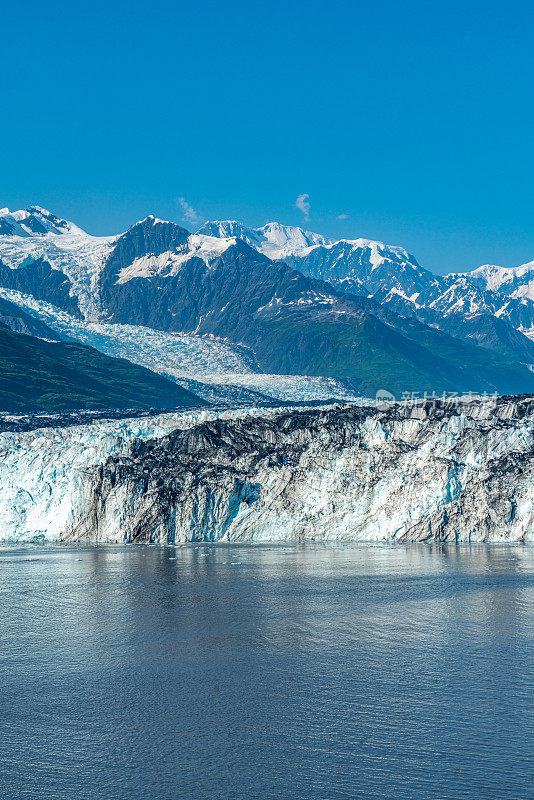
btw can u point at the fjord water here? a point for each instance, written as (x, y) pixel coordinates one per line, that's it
(244, 672)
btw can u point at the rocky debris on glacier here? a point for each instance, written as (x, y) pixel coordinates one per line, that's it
(18, 423)
(403, 472)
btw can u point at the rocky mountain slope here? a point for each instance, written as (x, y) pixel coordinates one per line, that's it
(230, 282)
(463, 305)
(429, 471)
(14, 317)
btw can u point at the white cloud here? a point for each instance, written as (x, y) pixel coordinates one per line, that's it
(190, 215)
(303, 204)
(342, 216)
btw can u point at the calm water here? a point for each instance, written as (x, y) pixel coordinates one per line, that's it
(240, 672)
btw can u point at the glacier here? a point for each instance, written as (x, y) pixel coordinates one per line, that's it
(43, 472)
(431, 470)
(75, 253)
(215, 369)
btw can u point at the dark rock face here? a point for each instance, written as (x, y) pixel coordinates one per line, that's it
(40, 280)
(482, 328)
(424, 472)
(13, 317)
(150, 237)
(7, 228)
(221, 298)
(460, 293)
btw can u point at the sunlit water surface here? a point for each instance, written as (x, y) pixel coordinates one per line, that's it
(242, 672)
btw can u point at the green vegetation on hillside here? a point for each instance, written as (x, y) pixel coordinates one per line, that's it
(37, 375)
(372, 356)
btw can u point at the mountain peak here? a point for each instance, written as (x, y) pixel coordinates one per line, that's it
(151, 224)
(151, 220)
(273, 239)
(34, 221)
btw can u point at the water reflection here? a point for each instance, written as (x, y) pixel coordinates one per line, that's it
(266, 671)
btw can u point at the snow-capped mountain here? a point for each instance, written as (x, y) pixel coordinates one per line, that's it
(383, 271)
(273, 240)
(458, 304)
(356, 263)
(514, 282)
(34, 221)
(265, 288)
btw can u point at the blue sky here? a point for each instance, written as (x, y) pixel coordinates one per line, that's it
(412, 123)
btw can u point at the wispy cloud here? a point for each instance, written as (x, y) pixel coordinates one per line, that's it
(342, 216)
(189, 213)
(303, 204)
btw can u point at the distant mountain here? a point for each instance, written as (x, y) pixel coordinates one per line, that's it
(381, 320)
(458, 304)
(33, 221)
(40, 375)
(485, 329)
(359, 264)
(273, 240)
(514, 282)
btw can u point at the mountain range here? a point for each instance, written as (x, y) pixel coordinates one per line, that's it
(356, 310)
(466, 305)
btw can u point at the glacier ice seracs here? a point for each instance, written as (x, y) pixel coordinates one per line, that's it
(408, 472)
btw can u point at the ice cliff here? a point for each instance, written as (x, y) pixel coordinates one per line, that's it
(406, 472)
